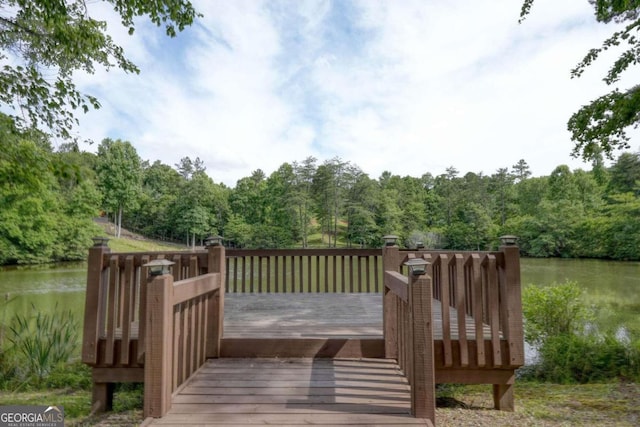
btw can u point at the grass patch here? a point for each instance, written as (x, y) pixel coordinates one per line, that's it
(127, 404)
(76, 403)
(129, 245)
(610, 404)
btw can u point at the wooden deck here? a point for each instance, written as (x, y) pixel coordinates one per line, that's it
(199, 334)
(312, 315)
(337, 392)
(315, 316)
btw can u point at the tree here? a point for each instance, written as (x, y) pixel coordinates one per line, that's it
(161, 186)
(625, 174)
(201, 206)
(119, 177)
(43, 42)
(329, 186)
(601, 126)
(45, 213)
(562, 185)
(446, 188)
(360, 210)
(301, 197)
(502, 184)
(521, 170)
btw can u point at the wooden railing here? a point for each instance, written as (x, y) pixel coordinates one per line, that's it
(480, 296)
(477, 319)
(304, 270)
(156, 331)
(183, 329)
(409, 336)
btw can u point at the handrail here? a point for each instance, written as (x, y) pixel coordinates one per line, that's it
(412, 319)
(304, 270)
(183, 327)
(480, 293)
(122, 318)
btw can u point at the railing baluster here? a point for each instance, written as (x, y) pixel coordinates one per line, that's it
(477, 312)
(142, 319)
(367, 274)
(251, 259)
(334, 271)
(345, 285)
(243, 274)
(235, 275)
(126, 308)
(445, 303)
(270, 259)
(301, 273)
(320, 285)
(285, 287)
(193, 337)
(112, 317)
(494, 309)
(193, 266)
(461, 310)
(277, 276)
(358, 263)
(177, 267)
(293, 273)
(260, 281)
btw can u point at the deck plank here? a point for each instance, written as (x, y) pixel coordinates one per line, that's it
(320, 315)
(291, 392)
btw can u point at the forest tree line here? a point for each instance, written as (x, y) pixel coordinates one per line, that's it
(49, 198)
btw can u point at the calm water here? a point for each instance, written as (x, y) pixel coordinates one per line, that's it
(43, 287)
(613, 288)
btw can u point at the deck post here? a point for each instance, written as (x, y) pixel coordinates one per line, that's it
(503, 396)
(216, 263)
(102, 393)
(159, 343)
(92, 303)
(423, 400)
(513, 324)
(390, 262)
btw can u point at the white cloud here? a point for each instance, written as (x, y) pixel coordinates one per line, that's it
(406, 86)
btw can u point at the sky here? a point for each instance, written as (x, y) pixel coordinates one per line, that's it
(403, 86)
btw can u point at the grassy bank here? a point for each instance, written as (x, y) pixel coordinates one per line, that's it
(613, 404)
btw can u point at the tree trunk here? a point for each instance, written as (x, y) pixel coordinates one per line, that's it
(119, 226)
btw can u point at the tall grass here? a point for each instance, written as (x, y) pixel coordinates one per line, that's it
(36, 344)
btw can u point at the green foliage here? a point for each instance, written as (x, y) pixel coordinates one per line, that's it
(44, 214)
(119, 173)
(559, 326)
(42, 342)
(586, 358)
(74, 375)
(601, 126)
(48, 201)
(128, 396)
(44, 42)
(552, 311)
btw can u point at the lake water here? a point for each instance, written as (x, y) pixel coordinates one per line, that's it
(612, 287)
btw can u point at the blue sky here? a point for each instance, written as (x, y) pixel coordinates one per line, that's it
(399, 85)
